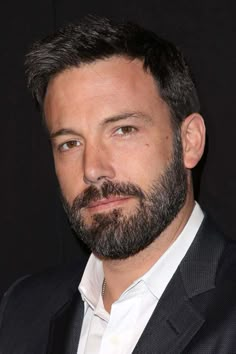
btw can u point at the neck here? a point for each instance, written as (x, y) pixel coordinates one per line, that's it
(120, 274)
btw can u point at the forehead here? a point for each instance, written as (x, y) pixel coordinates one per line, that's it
(103, 88)
(100, 73)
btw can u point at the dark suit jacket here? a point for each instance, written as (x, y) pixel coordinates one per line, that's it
(195, 315)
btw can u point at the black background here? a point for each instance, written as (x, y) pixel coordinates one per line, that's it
(34, 230)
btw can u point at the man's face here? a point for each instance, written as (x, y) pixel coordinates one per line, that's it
(118, 163)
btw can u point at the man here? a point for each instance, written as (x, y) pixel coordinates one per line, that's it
(122, 114)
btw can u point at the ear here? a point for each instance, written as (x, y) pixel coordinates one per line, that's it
(193, 133)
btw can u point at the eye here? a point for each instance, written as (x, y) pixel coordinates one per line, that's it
(126, 130)
(68, 145)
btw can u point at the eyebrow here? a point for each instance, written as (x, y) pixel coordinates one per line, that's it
(63, 131)
(126, 115)
(106, 121)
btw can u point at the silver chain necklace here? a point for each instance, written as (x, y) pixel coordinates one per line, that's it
(103, 287)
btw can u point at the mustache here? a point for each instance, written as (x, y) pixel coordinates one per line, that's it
(106, 190)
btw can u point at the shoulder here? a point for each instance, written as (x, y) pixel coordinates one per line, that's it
(226, 245)
(221, 251)
(227, 266)
(216, 239)
(65, 275)
(45, 291)
(210, 262)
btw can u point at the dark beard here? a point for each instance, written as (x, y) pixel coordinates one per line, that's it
(114, 235)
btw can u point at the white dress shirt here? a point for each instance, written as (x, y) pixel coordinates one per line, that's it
(119, 331)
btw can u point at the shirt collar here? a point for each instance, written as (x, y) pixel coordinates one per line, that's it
(92, 280)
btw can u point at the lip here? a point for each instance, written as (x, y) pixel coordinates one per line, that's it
(106, 202)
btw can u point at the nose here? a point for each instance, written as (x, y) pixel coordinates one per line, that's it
(97, 164)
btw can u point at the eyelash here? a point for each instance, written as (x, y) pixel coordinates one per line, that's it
(126, 127)
(72, 142)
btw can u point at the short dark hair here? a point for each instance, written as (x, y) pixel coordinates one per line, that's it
(99, 38)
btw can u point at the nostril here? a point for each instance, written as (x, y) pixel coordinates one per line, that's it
(101, 177)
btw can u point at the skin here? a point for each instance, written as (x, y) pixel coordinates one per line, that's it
(107, 121)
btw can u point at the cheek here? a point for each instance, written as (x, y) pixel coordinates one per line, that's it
(70, 179)
(141, 165)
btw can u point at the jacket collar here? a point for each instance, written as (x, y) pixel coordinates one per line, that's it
(65, 327)
(67, 315)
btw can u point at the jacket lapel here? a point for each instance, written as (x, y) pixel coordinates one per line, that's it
(65, 327)
(177, 318)
(173, 323)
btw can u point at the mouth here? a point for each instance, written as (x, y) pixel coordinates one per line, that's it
(107, 203)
